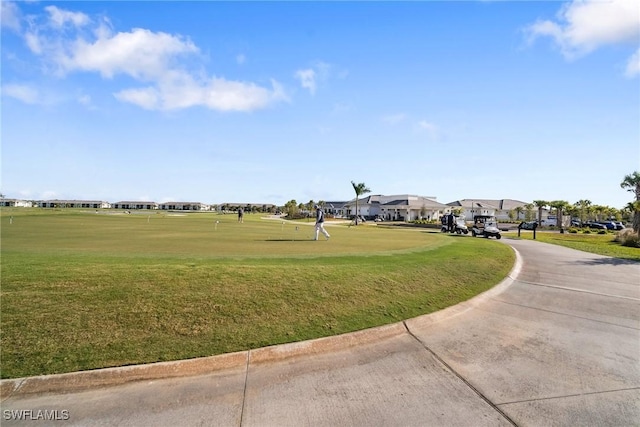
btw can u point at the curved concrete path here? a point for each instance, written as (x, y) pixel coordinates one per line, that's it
(557, 343)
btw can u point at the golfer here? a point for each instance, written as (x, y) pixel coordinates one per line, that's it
(320, 223)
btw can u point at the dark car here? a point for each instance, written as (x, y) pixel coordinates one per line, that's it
(609, 224)
(596, 225)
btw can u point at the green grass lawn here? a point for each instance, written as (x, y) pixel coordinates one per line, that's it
(601, 244)
(85, 290)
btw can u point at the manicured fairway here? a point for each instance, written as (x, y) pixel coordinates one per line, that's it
(85, 290)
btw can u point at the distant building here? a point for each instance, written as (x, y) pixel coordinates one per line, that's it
(87, 204)
(15, 203)
(183, 206)
(336, 209)
(402, 207)
(135, 205)
(499, 208)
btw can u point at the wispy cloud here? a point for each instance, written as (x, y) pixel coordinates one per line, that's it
(10, 16)
(25, 93)
(430, 128)
(394, 119)
(583, 26)
(307, 79)
(72, 42)
(318, 73)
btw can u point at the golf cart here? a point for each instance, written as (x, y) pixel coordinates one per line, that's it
(459, 226)
(485, 226)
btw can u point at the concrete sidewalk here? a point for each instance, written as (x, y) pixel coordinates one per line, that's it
(557, 343)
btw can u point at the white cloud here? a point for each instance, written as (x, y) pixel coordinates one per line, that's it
(633, 65)
(310, 77)
(141, 54)
(24, 93)
(216, 94)
(583, 26)
(9, 16)
(59, 17)
(71, 42)
(307, 79)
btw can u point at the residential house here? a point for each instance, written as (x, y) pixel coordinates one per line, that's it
(498, 208)
(15, 203)
(336, 209)
(87, 204)
(135, 205)
(402, 207)
(183, 206)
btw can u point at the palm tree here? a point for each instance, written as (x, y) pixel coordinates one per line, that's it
(360, 189)
(540, 204)
(583, 205)
(631, 183)
(518, 210)
(559, 206)
(528, 211)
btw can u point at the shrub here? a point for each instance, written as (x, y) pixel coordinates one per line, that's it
(628, 237)
(602, 232)
(573, 230)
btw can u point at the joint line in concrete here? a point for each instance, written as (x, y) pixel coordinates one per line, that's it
(244, 392)
(460, 377)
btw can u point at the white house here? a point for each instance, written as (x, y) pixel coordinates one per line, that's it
(183, 206)
(401, 207)
(87, 204)
(135, 205)
(498, 208)
(15, 203)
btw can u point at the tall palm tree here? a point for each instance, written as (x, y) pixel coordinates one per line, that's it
(518, 210)
(559, 206)
(583, 205)
(631, 183)
(528, 208)
(360, 189)
(540, 204)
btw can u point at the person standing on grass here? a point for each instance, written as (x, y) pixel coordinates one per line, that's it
(240, 215)
(320, 223)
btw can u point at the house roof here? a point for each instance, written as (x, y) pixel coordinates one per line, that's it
(134, 203)
(501, 204)
(411, 201)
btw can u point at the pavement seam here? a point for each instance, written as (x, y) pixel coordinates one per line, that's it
(246, 381)
(539, 399)
(565, 288)
(461, 378)
(559, 313)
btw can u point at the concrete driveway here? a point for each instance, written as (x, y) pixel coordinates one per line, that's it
(557, 343)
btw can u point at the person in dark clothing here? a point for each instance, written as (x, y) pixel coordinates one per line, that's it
(320, 223)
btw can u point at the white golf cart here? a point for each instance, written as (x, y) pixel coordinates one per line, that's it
(485, 226)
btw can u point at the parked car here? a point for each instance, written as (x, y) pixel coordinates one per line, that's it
(576, 223)
(595, 225)
(610, 225)
(619, 225)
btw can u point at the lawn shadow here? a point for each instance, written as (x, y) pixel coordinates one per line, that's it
(285, 240)
(608, 261)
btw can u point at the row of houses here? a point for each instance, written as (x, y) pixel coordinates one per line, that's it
(131, 205)
(98, 204)
(406, 207)
(402, 207)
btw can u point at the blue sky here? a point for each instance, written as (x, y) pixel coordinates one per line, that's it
(265, 102)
